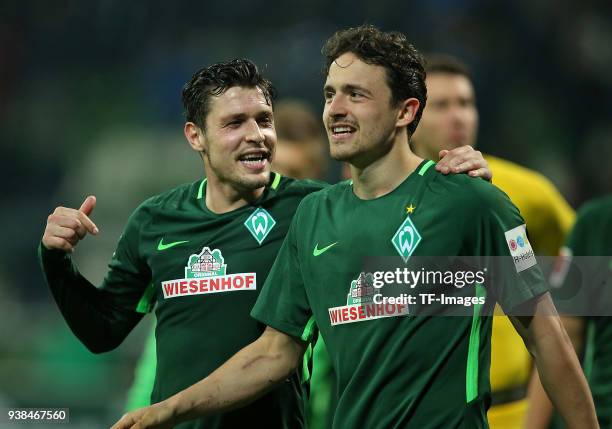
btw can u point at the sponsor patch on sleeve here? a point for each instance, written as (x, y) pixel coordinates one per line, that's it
(520, 248)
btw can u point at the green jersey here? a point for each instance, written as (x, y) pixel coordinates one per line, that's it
(203, 273)
(592, 236)
(394, 367)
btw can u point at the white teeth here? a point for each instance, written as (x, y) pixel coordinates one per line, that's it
(341, 129)
(253, 160)
(252, 157)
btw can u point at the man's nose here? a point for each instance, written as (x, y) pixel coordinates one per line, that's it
(337, 106)
(254, 133)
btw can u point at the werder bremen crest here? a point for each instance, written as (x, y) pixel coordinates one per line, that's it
(406, 239)
(207, 263)
(259, 224)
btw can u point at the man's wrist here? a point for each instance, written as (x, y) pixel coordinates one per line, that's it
(179, 408)
(45, 252)
(53, 260)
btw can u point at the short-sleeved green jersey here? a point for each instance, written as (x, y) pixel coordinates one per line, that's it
(395, 369)
(205, 271)
(592, 236)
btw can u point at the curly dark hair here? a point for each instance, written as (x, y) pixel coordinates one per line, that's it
(391, 50)
(214, 80)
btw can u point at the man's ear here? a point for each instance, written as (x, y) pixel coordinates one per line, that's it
(407, 112)
(195, 136)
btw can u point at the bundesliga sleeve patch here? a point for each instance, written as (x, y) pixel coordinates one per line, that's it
(520, 248)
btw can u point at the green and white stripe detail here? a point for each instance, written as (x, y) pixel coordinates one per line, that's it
(471, 373)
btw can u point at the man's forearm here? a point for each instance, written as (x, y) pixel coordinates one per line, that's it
(540, 409)
(249, 374)
(562, 376)
(89, 312)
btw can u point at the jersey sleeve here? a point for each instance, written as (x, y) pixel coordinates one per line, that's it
(128, 278)
(581, 277)
(283, 303)
(100, 317)
(515, 276)
(579, 237)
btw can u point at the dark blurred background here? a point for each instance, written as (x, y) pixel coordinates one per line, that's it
(90, 104)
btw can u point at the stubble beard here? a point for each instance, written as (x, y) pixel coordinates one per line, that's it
(230, 175)
(363, 154)
(343, 152)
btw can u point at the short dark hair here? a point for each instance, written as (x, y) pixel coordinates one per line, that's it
(444, 63)
(391, 50)
(214, 80)
(298, 125)
(294, 120)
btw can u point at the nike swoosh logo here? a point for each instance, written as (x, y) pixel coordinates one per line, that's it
(317, 251)
(162, 246)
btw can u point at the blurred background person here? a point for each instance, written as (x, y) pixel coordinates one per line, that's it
(582, 289)
(450, 120)
(301, 151)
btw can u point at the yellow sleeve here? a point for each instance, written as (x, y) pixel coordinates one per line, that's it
(547, 214)
(557, 218)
